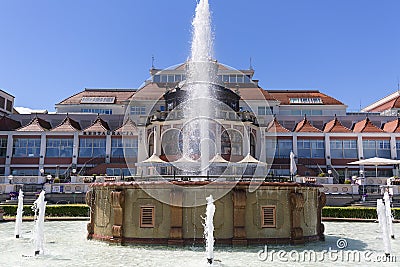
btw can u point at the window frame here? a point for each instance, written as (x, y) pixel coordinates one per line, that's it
(146, 225)
(262, 213)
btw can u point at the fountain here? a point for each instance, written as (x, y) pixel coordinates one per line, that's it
(39, 206)
(159, 208)
(209, 229)
(201, 77)
(20, 211)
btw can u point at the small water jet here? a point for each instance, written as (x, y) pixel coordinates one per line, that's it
(20, 211)
(388, 212)
(380, 208)
(39, 206)
(209, 229)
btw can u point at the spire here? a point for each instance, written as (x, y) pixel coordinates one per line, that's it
(251, 64)
(152, 62)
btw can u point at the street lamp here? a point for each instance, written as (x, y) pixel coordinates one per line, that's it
(362, 184)
(41, 172)
(10, 178)
(49, 178)
(329, 173)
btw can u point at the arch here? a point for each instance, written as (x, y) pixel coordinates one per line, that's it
(172, 142)
(231, 143)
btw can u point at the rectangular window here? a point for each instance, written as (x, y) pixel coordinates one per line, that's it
(92, 147)
(97, 110)
(9, 105)
(306, 100)
(376, 148)
(268, 216)
(265, 111)
(26, 147)
(156, 78)
(138, 110)
(59, 148)
(164, 78)
(3, 147)
(124, 147)
(126, 172)
(2, 102)
(311, 148)
(97, 100)
(147, 217)
(283, 148)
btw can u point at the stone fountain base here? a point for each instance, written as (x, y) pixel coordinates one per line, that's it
(158, 213)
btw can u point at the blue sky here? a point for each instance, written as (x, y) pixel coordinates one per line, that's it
(51, 49)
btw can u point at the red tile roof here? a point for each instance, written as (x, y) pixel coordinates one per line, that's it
(334, 126)
(67, 125)
(151, 91)
(366, 126)
(305, 126)
(128, 127)
(284, 96)
(121, 95)
(275, 127)
(36, 125)
(392, 126)
(255, 93)
(98, 125)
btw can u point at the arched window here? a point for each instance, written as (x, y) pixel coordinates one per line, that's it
(231, 143)
(252, 145)
(151, 144)
(171, 142)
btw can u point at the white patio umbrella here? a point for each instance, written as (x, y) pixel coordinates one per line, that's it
(293, 166)
(375, 161)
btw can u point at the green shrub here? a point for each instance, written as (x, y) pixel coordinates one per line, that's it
(56, 180)
(70, 210)
(321, 174)
(355, 212)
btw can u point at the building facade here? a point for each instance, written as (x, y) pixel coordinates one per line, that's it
(107, 131)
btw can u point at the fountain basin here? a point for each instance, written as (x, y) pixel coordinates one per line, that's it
(170, 213)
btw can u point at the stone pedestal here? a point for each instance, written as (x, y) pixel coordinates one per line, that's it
(296, 210)
(117, 203)
(239, 218)
(175, 234)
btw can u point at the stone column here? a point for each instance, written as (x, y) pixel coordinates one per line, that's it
(108, 148)
(239, 217)
(117, 204)
(393, 150)
(261, 149)
(218, 138)
(246, 140)
(296, 201)
(75, 149)
(42, 151)
(9, 154)
(360, 146)
(295, 145)
(328, 150)
(176, 231)
(142, 143)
